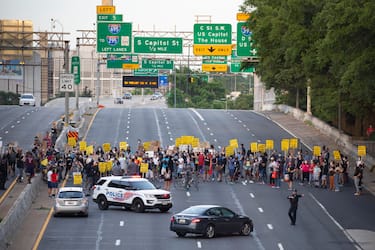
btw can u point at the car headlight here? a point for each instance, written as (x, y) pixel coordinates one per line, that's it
(149, 196)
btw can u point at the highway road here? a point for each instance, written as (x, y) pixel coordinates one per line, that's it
(19, 125)
(326, 220)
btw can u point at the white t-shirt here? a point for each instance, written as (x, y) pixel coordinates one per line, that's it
(49, 173)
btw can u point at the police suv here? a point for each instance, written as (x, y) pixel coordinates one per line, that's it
(131, 192)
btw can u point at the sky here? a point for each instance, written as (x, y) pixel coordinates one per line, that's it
(157, 15)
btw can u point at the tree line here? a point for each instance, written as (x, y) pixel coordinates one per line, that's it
(328, 46)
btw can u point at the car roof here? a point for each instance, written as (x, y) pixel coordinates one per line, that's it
(74, 189)
(128, 178)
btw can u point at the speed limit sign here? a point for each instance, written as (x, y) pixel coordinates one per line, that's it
(66, 83)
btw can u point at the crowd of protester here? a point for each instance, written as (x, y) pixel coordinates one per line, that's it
(243, 166)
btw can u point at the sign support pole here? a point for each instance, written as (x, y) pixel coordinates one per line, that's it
(66, 67)
(77, 89)
(97, 81)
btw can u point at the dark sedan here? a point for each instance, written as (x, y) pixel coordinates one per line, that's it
(209, 221)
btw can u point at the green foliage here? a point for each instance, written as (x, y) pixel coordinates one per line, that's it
(211, 94)
(330, 44)
(8, 98)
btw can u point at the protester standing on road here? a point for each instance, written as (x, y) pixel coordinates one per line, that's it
(20, 165)
(29, 166)
(3, 171)
(293, 199)
(357, 176)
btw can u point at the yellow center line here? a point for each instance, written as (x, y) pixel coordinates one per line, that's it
(45, 224)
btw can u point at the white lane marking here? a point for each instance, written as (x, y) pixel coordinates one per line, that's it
(118, 242)
(205, 123)
(270, 226)
(99, 232)
(167, 127)
(219, 147)
(6, 132)
(239, 121)
(208, 128)
(171, 139)
(240, 208)
(127, 132)
(12, 126)
(127, 138)
(187, 193)
(350, 238)
(259, 140)
(128, 126)
(169, 133)
(211, 134)
(215, 140)
(199, 115)
(252, 195)
(128, 122)
(260, 209)
(199, 244)
(23, 117)
(196, 123)
(18, 121)
(280, 246)
(158, 128)
(122, 223)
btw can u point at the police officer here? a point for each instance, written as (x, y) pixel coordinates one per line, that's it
(293, 199)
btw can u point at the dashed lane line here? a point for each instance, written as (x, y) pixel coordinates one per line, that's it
(280, 246)
(260, 209)
(118, 242)
(199, 244)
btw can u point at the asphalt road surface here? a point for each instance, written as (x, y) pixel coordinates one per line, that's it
(326, 220)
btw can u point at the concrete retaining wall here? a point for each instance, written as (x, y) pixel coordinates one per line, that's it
(342, 140)
(18, 212)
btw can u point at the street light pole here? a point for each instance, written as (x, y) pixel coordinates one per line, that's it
(66, 67)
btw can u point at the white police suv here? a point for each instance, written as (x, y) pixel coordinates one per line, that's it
(131, 192)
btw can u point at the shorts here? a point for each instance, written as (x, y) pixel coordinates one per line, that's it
(49, 184)
(54, 184)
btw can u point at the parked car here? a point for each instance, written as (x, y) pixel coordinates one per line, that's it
(27, 99)
(209, 221)
(71, 200)
(127, 95)
(118, 100)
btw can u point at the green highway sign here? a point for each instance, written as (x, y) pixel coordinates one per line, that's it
(114, 37)
(146, 72)
(109, 18)
(157, 63)
(212, 33)
(76, 69)
(158, 45)
(244, 41)
(236, 66)
(115, 61)
(214, 60)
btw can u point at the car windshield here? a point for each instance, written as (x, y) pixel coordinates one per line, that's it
(27, 97)
(143, 185)
(194, 210)
(70, 195)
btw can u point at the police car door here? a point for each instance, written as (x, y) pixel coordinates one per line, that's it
(115, 192)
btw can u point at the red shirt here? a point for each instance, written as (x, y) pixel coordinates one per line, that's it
(54, 177)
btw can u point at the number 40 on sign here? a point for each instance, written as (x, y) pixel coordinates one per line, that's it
(66, 83)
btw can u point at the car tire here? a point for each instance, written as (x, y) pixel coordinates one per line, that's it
(180, 234)
(138, 206)
(164, 209)
(245, 229)
(209, 232)
(102, 203)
